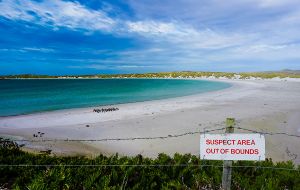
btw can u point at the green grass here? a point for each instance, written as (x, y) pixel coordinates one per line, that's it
(136, 177)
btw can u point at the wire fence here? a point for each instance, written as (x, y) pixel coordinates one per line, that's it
(149, 138)
(267, 133)
(155, 137)
(147, 165)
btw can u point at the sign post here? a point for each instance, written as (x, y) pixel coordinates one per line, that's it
(226, 177)
(231, 146)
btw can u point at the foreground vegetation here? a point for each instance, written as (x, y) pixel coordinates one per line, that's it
(184, 74)
(67, 172)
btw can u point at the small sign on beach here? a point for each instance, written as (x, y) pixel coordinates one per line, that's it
(231, 146)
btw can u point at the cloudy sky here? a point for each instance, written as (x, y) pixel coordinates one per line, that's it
(133, 36)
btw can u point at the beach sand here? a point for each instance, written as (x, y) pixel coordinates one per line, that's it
(262, 105)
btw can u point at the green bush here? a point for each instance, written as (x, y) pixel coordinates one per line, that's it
(60, 172)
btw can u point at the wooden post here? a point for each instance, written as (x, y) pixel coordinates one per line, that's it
(226, 177)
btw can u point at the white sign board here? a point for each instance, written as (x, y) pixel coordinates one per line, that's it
(232, 146)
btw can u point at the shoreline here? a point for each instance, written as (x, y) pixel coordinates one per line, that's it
(116, 104)
(272, 106)
(181, 99)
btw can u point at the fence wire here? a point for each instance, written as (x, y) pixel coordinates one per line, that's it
(149, 138)
(122, 139)
(145, 165)
(267, 133)
(153, 138)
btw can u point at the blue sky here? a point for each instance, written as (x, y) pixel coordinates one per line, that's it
(60, 37)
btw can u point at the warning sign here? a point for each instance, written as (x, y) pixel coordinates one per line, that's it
(232, 146)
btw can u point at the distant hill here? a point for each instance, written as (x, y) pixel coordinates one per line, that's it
(291, 71)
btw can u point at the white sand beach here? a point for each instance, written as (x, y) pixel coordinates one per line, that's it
(263, 105)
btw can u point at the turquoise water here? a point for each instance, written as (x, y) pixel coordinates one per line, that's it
(28, 96)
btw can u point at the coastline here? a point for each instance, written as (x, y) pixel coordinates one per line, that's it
(175, 103)
(93, 95)
(267, 105)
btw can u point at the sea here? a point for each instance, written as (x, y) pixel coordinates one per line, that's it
(25, 96)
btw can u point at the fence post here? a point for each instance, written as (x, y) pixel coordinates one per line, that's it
(226, 177)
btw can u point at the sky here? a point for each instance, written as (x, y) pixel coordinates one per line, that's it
(62, 37)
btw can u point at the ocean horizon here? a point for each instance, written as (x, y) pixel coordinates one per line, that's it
(31, 95)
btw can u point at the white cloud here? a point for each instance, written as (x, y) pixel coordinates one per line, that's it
(151, 28)
(184, 35)
(191, 32)
(260, 48)
(26, 49)
(44, 50)
(56, 13)
(274, 3)
(134, 66)
(104, 67)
